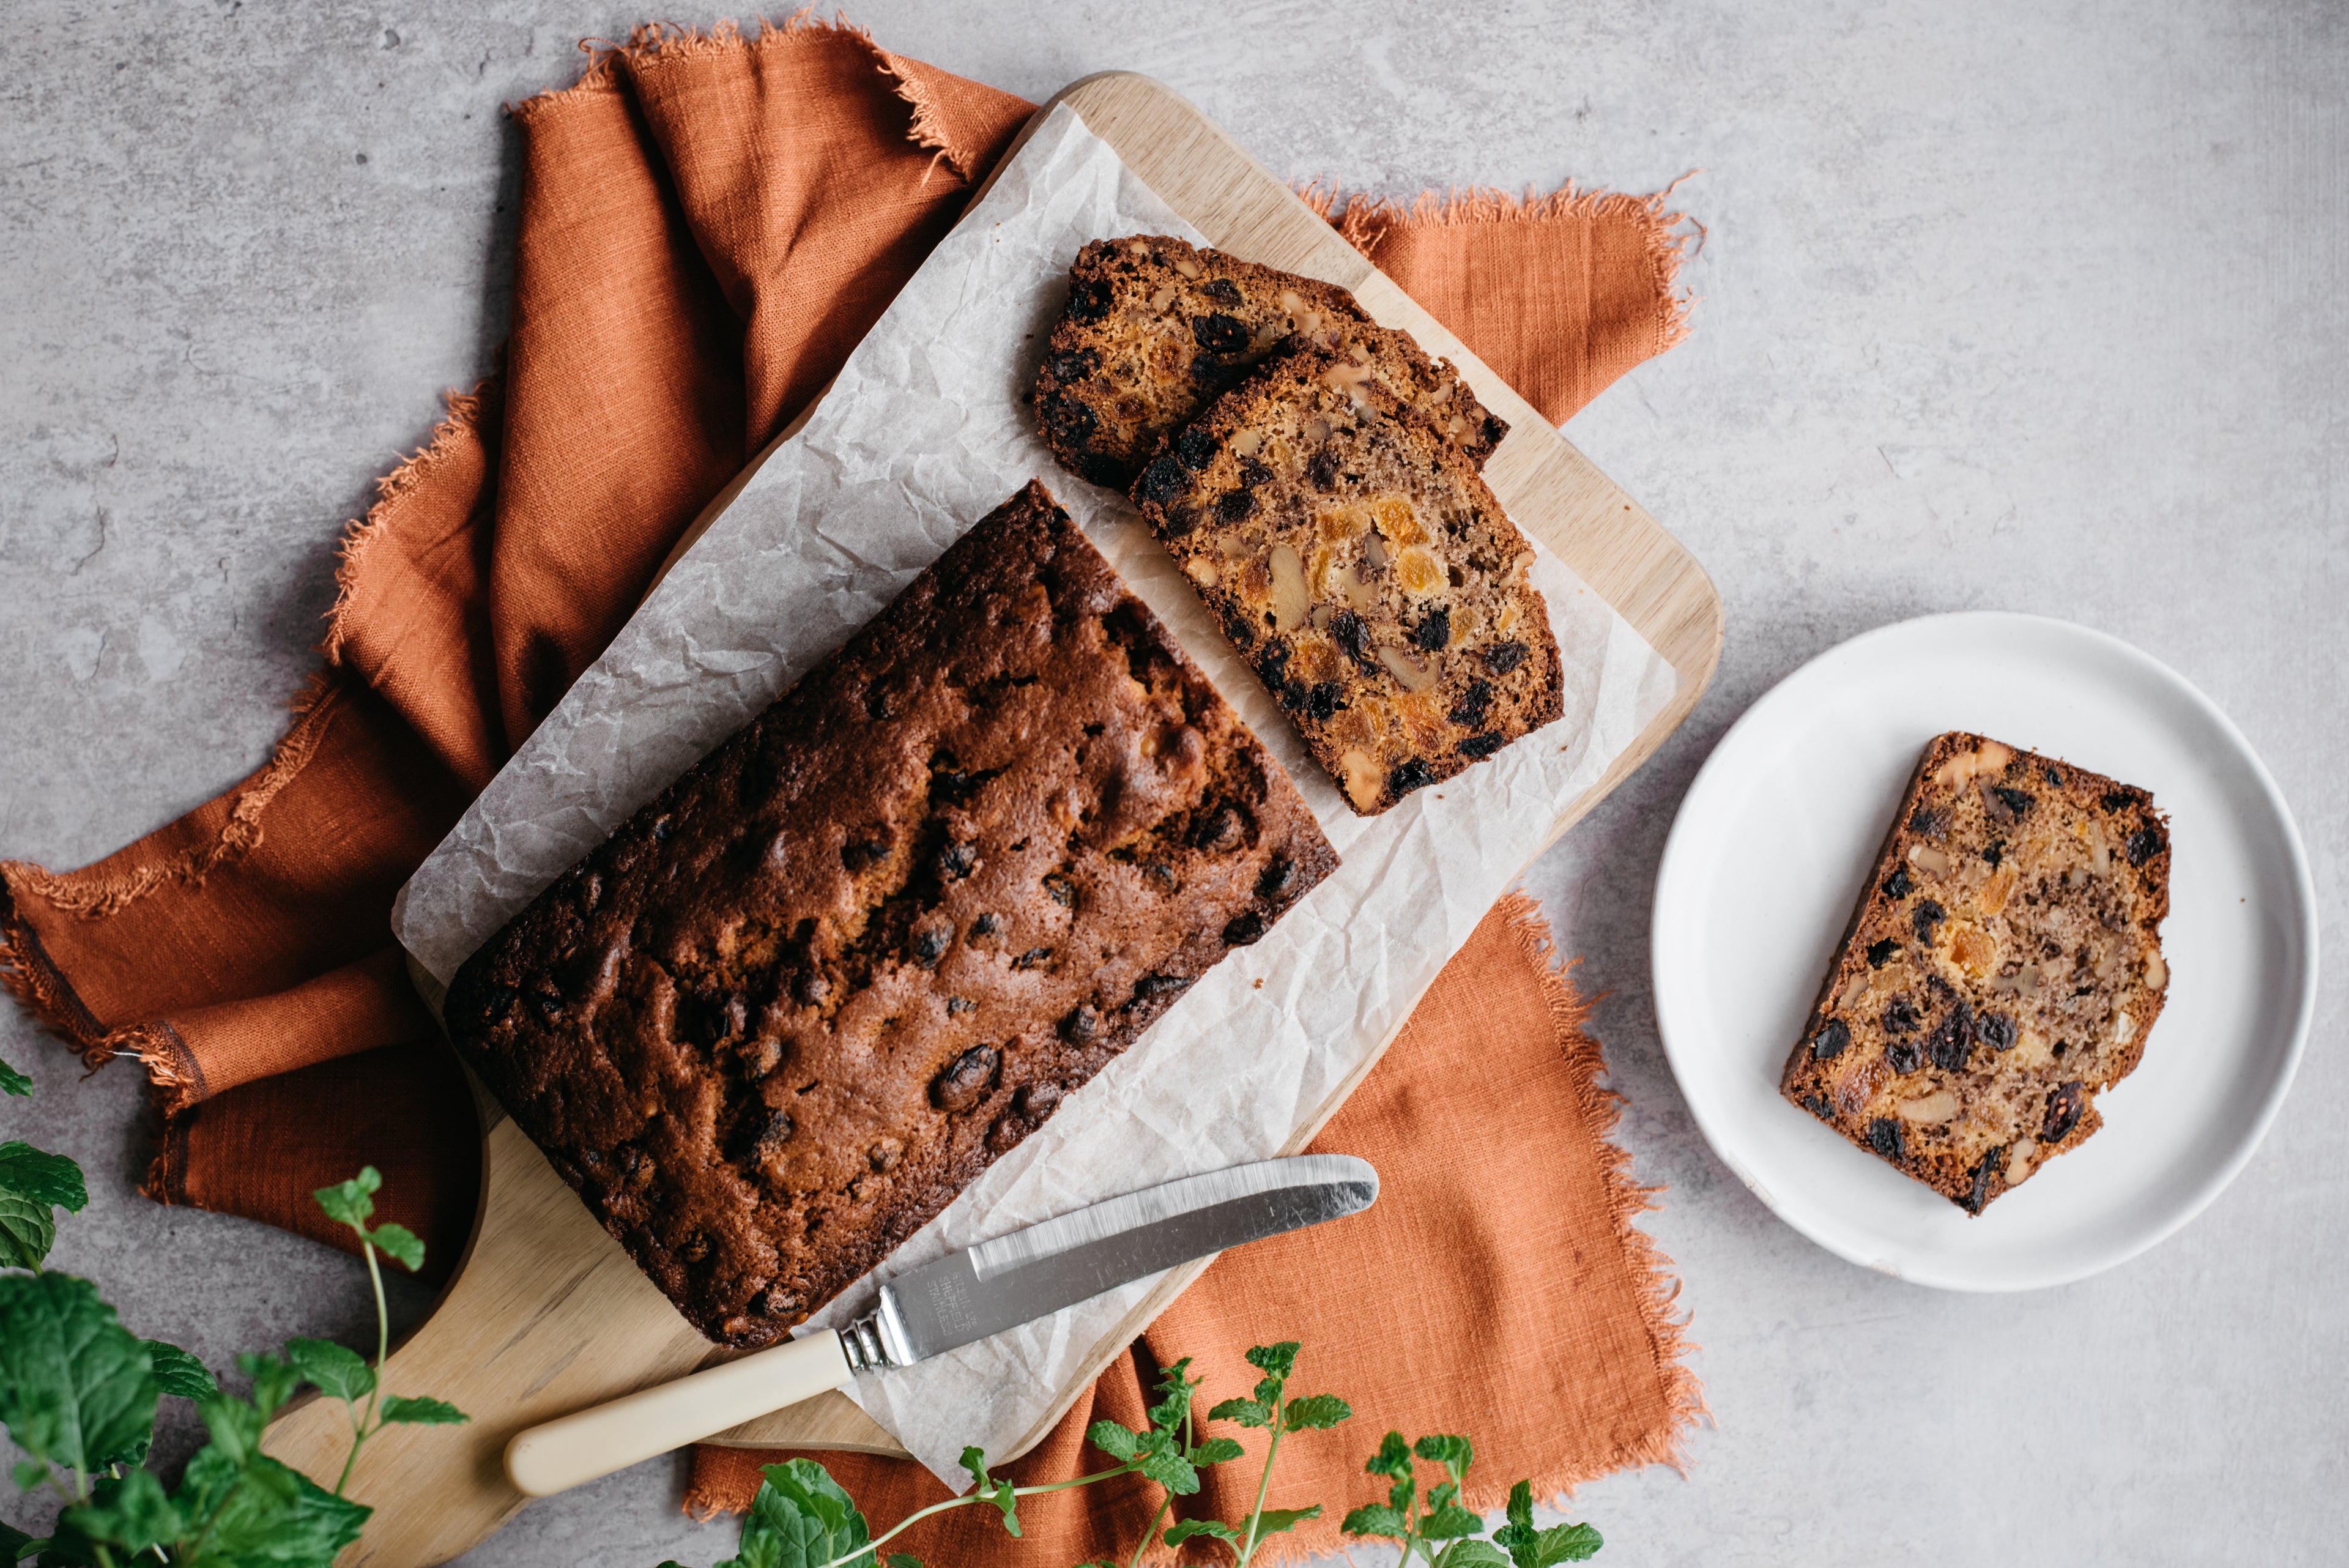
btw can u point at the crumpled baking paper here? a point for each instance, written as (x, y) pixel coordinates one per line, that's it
(926, 431)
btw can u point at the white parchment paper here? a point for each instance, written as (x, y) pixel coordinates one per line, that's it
(925, 432)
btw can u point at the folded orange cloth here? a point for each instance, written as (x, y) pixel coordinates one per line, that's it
(709, 224)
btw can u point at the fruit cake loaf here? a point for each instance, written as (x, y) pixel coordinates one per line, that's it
(1155, 328)
(1362, 564)
(796, 1003)
(2004, 966)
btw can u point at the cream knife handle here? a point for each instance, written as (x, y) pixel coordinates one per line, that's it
(573, 1449)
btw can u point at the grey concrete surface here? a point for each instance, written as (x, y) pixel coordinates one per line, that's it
(2028, 304)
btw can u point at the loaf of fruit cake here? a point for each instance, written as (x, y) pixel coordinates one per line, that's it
(801, 999)
(1155, 328)
(2004, 967)
(1360, 562)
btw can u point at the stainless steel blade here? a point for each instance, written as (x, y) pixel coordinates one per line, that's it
(1014, 1279)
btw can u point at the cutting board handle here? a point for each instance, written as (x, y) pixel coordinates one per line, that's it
(573, 1449)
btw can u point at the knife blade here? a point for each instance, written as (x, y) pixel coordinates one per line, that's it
(954, 1301)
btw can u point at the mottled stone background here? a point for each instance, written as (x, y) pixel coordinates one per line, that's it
(2033, 305)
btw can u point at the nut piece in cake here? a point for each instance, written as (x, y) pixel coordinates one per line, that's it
(1155, 329)
(799, 1001)
(2004, 968)
(1362, 564)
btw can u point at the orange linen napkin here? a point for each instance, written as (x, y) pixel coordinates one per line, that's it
(709, 224)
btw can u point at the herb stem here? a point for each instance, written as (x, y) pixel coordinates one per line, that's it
(952, 1503)
(360, 1429)
(1190, 1439)
(1264, 1485)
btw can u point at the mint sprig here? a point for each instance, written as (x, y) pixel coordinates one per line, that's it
(79, 1394)
(1438, 1528)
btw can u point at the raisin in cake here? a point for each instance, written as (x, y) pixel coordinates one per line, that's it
(1358, 560)
(2004, 967)
(1155, 328)
(797, 1002)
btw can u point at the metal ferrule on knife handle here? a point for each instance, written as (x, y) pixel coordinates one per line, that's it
(868, 1340)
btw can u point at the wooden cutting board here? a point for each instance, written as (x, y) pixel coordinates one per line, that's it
(546, 1314)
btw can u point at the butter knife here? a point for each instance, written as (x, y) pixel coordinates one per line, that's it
(957, 1299)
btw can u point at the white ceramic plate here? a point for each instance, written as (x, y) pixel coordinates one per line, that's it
(1766, 859)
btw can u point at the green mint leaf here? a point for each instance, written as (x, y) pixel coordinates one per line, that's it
(1375, 1519)
(1118, 1442)
(1449, 1522)
(1275, 1360)
(260, 1512)
(1267, 1393)
(1521, 1511)
(43, 1178)
(1565, 1543)
(974, 1460)
(1214, 1451)
(1278, 1520)
(133, 1513)
(802, 1513)
(351, 1202)
(1176, 1388)
(1246, 1412)
(1183, 1530)
(178, 1374)
(234, 1425)
(77, 1388)
(416, 1410)
(1314, 1413)
(27, 1231)
(1453, 1453)
(1393, 1457)
(12, 1082)
(1442, 1493)
(399, 1241)
(13, 1540)
(759, 1549)
(1170, 1471)
(1471, 1553)
(1531, 1548)
(337, 1370)
(1399, 1495)
(273, 1379)
(31, 1475)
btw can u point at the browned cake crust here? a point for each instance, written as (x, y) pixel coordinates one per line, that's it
(1362, 565)
(2004, 967)
(1155, 329)
(796, 1003)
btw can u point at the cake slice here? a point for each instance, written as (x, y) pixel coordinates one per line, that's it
(1155, 328)
(1355, 556)
(796, 1003)
(2004, 967)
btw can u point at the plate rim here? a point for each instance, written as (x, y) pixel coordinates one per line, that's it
(1763, 711)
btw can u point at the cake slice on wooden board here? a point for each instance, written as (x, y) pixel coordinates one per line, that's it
(1360, 562)
(2004, 966)
(802, 998)
(1155, 328)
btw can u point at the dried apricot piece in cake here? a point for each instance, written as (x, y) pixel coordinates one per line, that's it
(1155, 328)
(1358, 560)
(2004, 967)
